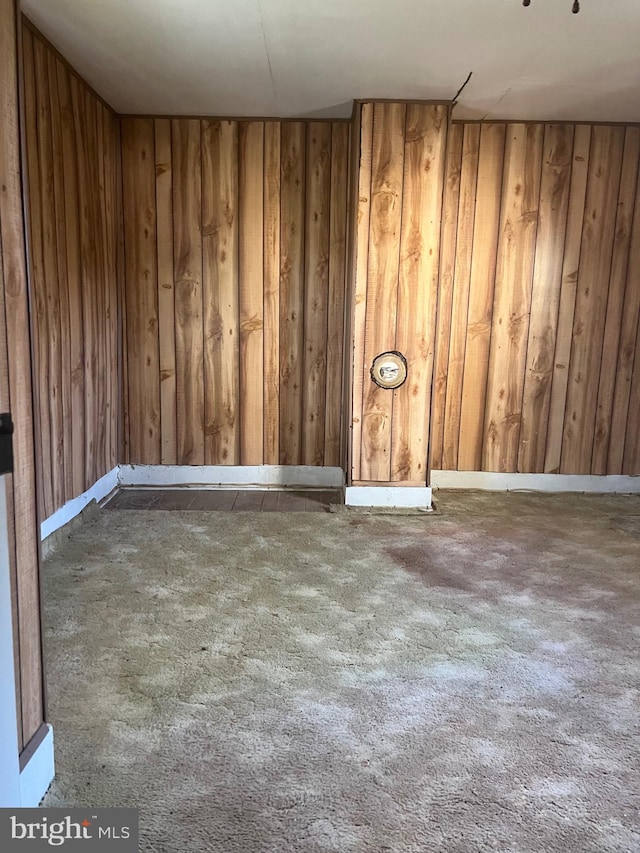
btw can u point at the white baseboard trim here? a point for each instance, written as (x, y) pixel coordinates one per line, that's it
(495, 482)
(38, 773)
(100, 489)
(244, 476)
(406, 497)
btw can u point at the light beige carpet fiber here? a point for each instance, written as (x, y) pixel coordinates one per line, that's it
(464, 681)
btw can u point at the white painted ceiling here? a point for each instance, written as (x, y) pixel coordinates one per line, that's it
(312, 57)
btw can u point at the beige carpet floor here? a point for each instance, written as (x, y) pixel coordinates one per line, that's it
(261, 683)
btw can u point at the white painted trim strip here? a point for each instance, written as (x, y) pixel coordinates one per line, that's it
(198, 476)
(494, 482)
(406, 497)
(104, 486)
(38, 773)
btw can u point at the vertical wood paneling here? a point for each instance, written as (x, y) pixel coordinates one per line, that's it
(166, 301)
(75, 437)
(615, 302)
(424, 160)
(187, 211)
(220, 281)
(444, 330)
(139, 183)
(251, 270)
(292, 212)
(559, 303)
(481, 291)
(626, 352)
(568, 287)
(336, 292)
(631, 459)
(387, 171)
(21, 486)
(512, 301)
(317, 238)
(272, 293)
(361, 264)
(545, 299)
(257, 347)
(469, 197)
(72, 146)
(591, 299)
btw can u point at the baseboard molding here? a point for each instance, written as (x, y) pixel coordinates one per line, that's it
(38, 772)
(495, 482)
(243, 476)
(407, 497)
(100, 489)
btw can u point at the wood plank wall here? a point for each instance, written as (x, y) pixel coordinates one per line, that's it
(396, 246)
(235, 253)
(538, 348)
(16, 396)
(72, 148)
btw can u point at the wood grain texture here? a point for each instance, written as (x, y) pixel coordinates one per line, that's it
(17, 370)
(166, 295)
(292, 217)
(387, 173)
(362, 211)
(337, 257)
(424, 161)
(550, 324)
(187, 218)
(234, 205)
(469, 196)
(545, 299)
(72, 148)
(591, 300)
(271, 244)
(486, 232)
(450, 208)
(401, 162)
(141, 282)
(317, 239)
(251, 297)
(220, 282)
(615, 301)
(568, 289)
(626, 353)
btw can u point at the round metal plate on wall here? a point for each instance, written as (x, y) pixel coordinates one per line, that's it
(389, 370)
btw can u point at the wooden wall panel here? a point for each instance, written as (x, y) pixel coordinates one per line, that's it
(139, 199)
(396, 259)
(556, 296)
(251, 284)
(387, 174)
(166, 296)
(220, 283)
(16, 391)
(545, 299)
(256, 262)
(72, 153)
(317, 239)
(591, 300)
(187, 235)
(424, 161)
(292, 233)
(512, 300)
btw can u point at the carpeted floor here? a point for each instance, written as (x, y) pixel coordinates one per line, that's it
(262, 683)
